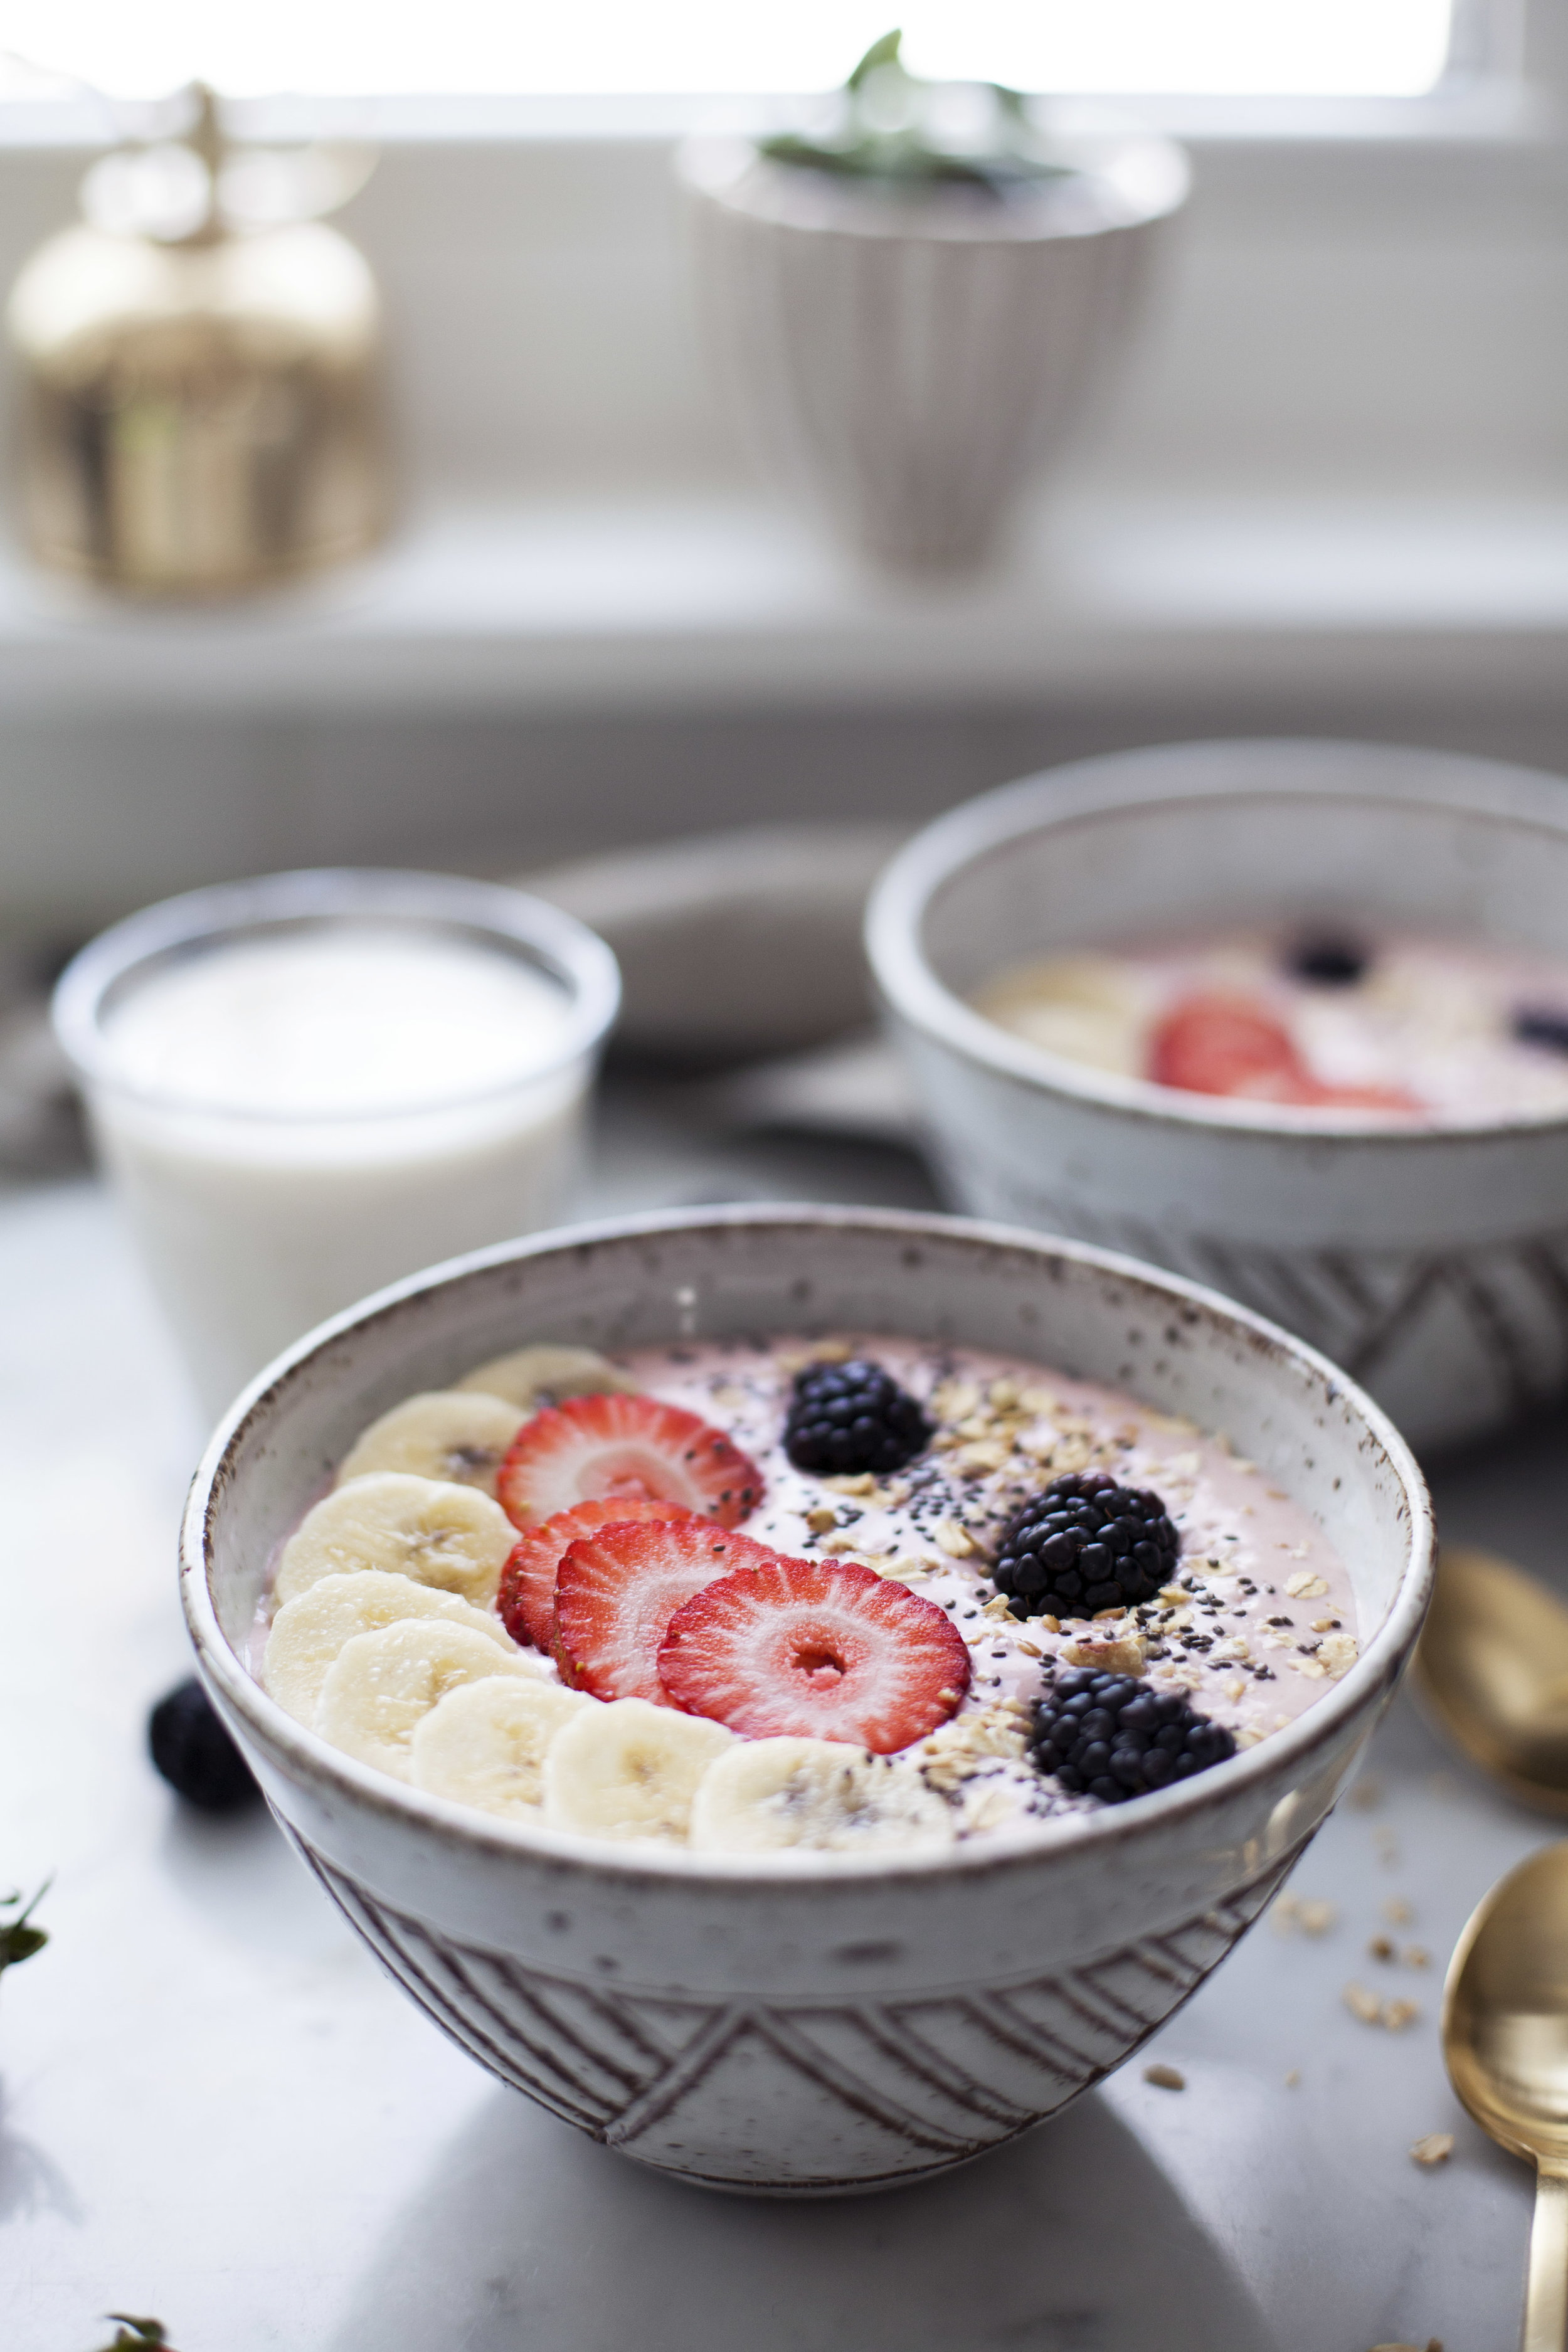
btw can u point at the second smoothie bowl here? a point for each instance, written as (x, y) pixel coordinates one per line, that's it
(1290, 1018)
(837, 1719)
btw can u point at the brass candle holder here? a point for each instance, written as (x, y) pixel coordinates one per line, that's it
(200, 395)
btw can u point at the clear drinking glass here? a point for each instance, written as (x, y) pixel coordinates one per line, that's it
(307, 1085)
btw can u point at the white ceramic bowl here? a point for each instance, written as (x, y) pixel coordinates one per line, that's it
(1432, 1262)
(801, 2024)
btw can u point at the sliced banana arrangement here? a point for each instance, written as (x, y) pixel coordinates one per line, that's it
(381, 1685)
(628, 1769)
(402, 1595)
(534, 1376)
(484, 1743)
(459, 1435)
(309, 1631)
(766, 1795)
(450, 1537)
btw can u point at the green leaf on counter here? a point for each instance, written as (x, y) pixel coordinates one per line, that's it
(19, 1939)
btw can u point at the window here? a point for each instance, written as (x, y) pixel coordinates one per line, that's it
(1218, 47)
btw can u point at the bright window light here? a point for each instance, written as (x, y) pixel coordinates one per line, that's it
(481, 47)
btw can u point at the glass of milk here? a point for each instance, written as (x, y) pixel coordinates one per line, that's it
(308, 1086)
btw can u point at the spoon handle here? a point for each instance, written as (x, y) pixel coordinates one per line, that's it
(1546, 2291)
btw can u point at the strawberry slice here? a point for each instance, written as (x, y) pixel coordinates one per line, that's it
(527, 1596)
(593, 1447)
(617, 1590)
(819, 1649)
(1217, 1045)
(1227, 1045)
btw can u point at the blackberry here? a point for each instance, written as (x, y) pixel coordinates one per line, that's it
(1538, 1025)
(1107, 1736)
(196, 1755)
(852, 1417)
(1085, 1544)
(1328, 961)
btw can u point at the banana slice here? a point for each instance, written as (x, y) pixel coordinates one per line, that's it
(452, 1537)
(533, 1377)
(460, 1436)
(309, 1631)
(484, 1743)
(627, 1770)
(766, 1794)
(1090, 1008)
(380, 1686)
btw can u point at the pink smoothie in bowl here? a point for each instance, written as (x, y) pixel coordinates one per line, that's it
(889, 1568)
(1416, 1028)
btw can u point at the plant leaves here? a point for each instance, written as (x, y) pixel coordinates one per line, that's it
(882, 52)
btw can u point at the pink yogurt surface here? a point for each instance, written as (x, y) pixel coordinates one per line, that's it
(1433, 1016)
(1246, 1650)
(1005, 1428)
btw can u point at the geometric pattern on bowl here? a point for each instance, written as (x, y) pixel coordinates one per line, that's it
(1390, 1316)
(709, 2090)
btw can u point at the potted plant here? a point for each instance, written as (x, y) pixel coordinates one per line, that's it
(911, 301)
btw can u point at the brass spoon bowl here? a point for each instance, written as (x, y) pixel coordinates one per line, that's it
(1505, 2044)
(1491, 1674)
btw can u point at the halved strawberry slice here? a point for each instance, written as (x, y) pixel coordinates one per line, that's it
(527, 1596)
(615, 1593)
(593, 1447)
(819, 1649)
(1218, 1045)
(1228, 1046)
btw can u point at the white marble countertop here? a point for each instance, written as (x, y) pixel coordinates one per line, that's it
(214, 2109)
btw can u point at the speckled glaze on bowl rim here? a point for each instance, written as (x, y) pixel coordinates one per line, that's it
(303, 1756)
(1083, 792)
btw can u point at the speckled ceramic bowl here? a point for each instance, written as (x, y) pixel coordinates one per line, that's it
(802, 2024)
(1432, 1262)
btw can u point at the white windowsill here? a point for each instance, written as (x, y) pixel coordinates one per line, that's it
(730, 603)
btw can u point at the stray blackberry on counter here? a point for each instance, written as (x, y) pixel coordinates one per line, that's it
(194, 1754)
(1086, 1544)
(1538, 1025)
(847, 1418)
(1107, 1736)
(1327, 962)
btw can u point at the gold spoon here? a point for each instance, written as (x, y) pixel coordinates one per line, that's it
(1505, 2044)
(1492, 1672)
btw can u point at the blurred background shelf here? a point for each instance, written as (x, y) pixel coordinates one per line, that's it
(732, 603)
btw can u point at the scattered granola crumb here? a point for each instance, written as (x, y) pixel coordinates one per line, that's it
(971, 1743)
(1416, 1955)
(954, 1538)
(1436, 2148)
(1398, 2014)
(1166, 2078)
(821, 1517)
(1399, 1913)
(1380, 1948)
(858, 1482)
(1366, 1796)
(1122, 1654)
(1362, 2004)
(1305, 1585)
(1293, 2079)
(1312, 1913)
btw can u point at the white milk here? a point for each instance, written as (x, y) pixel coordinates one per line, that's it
(309, 1113)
